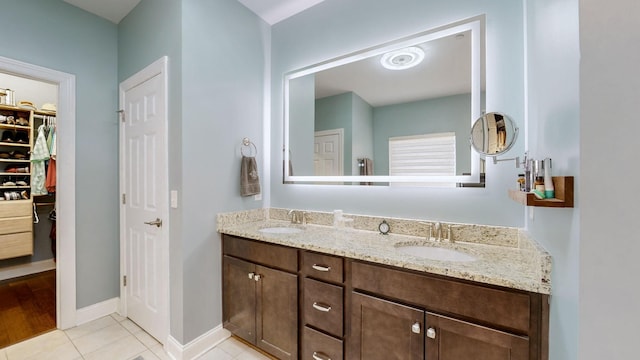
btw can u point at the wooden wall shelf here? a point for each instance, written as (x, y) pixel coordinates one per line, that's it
(563, 189)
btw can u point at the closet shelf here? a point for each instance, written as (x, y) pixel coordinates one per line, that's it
(14, 174)
(15, 144)
(14, 187)
(563, 186)
(15, 161)
(14, 127)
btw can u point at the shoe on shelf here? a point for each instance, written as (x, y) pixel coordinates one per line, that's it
(22, 137)
(8, 136)
(22, 121)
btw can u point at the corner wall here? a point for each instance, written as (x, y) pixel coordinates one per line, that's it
(59, 36)
(609, 246)
(553, 131)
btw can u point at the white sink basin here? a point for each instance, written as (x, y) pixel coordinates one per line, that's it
(281, 230)
(436, 253)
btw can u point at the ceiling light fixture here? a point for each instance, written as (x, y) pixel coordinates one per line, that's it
(403, 58)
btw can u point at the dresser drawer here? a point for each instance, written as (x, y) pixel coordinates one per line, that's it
(323, 306)
(275, 256)
(316, 345)
(15, 208)
(15, 245)
(15, 225)
(323, 267)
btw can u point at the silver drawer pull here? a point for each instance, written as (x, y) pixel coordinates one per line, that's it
(321, 267)
(320, 356)
(321, 307)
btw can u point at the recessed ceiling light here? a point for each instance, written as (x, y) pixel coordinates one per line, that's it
(403, 58)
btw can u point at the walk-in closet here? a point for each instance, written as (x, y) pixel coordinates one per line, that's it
(28, 148)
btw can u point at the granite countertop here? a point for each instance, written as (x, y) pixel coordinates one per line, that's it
(518, 263)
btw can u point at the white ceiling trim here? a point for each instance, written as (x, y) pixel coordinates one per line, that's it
(112, 10)
(274, 11)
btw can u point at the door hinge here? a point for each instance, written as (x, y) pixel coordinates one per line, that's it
(122, 115)
(124, 280)
(124, 199)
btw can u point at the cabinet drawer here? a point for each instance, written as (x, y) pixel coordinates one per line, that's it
(321, 345)
(14, 245)
(323, 267)
(495, 307)
(323, 306)
(15, 225)
(276, 256)
(15, 208)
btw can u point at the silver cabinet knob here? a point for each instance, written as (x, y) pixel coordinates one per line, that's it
(157, 222)
(251, 275)
(431, 333)
(317, 355)
(321, 307)
(415, 328)
(256, 277)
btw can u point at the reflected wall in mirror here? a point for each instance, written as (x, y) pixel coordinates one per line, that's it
(358, 120)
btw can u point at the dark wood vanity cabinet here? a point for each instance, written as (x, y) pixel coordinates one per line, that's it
(281, 299)
(260, 295)
(421, 316)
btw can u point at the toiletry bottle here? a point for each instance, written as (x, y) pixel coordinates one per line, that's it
(528, 175)
(521, 182)
(549, 190)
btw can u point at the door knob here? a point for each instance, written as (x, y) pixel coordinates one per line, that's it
(157, 222)
(431, 333)
(256, 277)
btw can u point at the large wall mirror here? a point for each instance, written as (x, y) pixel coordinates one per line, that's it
(395, 114)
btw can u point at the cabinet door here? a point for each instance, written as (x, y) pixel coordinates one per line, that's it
(450, 339)
(277, 317)
(385, 330)
(239, 298)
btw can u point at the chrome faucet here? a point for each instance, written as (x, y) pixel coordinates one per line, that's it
(298, 217)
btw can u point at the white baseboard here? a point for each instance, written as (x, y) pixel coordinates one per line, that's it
(96, 311)
(198, 346)
(26, 269)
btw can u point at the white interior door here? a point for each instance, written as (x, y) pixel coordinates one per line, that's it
(144, 208)
(327, 153)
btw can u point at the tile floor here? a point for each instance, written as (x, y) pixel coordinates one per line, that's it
(112, 338)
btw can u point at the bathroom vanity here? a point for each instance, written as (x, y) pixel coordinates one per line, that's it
(317, 292)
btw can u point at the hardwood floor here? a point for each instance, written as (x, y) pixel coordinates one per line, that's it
(27, 307)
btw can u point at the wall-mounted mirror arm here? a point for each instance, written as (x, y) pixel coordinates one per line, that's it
(516, 159)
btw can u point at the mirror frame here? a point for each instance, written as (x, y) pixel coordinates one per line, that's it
(474, 24)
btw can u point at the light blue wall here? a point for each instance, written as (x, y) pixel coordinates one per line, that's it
(158, 25)
(336, 112)
(59, 36)
(447, 114)
(334, 28)
(554, 123)
(362, 140)
(223, 63)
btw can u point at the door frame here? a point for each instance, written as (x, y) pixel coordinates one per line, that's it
(66, 183)
(159, 67)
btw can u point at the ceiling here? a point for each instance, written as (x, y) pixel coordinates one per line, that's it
(271, 11)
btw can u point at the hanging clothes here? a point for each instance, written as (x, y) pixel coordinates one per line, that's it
(39, 155)
(50, 182)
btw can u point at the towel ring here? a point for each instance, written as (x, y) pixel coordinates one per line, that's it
(247, 143)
